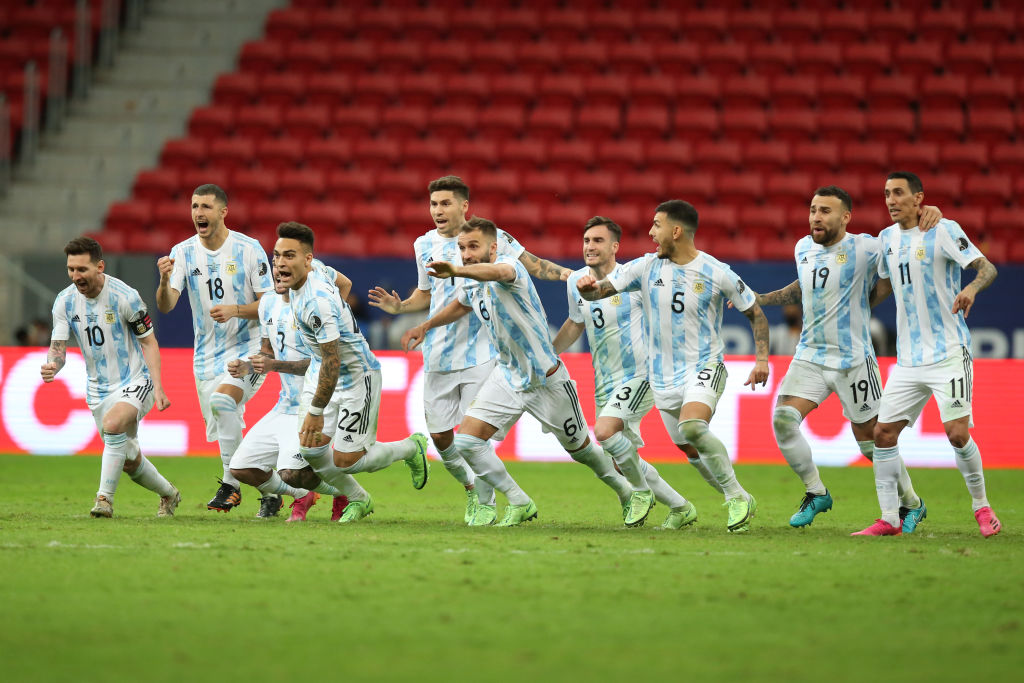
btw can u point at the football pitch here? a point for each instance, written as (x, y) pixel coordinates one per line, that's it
(412, 594)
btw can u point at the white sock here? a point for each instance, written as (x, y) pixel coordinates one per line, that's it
(114, 447)
(325, 489)
(321, 460)
(484, 491)
(276, 485)
(381, 454)
(663, 493)
(705, 473)
(147, 476)
(887, 474)
(786, 423)
(456, 466)
(229, 432)
(714, 456)
(968, 461)
(350, 488)
(593, 457)
(623, 452)
(904, 487)
(486, 464)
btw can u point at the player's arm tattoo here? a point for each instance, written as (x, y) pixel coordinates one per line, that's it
(58, 353)
(790, 294)
(542, 269)
(880, 292)
(986, 273)
(602, 290)
(330, 369)
(759, 324)
(288, 367)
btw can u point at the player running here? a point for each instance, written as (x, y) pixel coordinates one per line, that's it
(457, 359)
(683, 290)
(341, 393)
(225, 273)
(122, 361)
(528, 376)
(617, 335)
(933, 355)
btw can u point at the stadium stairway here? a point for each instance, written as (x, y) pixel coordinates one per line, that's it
(161, 73)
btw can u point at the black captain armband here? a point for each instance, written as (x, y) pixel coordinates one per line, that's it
(140, 323)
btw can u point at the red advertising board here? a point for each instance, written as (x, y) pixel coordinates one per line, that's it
(53, 418)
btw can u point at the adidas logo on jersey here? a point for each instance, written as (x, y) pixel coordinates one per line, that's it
(348, 437)
(659, 283)
(803, 260)
(196, 271)
(888, 252)
(865, 408)
(615, 405)
(956, 404)
(701, 384)
(75, 318)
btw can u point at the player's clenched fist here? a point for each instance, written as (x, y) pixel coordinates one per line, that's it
(587, 283)
(165, 264)
(48, 371)
(412, 338)
(239, 368)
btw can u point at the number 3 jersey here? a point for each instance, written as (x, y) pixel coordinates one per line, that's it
(108, 329)
(925, 269)
(683, 307)
(835, 289)
(230, 276)
(278, 326)
(616, 334)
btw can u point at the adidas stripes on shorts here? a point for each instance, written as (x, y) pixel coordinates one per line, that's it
(909, 388)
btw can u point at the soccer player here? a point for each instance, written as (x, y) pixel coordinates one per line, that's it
(837, 284)
(528, 376)
(458, 358)
(273, 442)
(933, 355)
(122, 360)
(225, 273)
(616, 332)
(683, 291)
(341, 392)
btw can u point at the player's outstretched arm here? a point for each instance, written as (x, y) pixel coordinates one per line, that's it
(567, 335)
(986, 274)
(593, 289)
(483, 272)
(390, 302)
(343, 284)
(225, 312)
(446, 316)
(759, 325)
(880, 292)
(151, 354)
(55, 359)
(790, 294)
(166, 296)
(542, 269)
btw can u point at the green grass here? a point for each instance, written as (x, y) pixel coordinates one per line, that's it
(410, 593)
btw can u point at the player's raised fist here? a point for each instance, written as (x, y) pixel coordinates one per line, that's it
(587, 283)
(48, 371)
(165, 264)
(161, 400)
(258, 363)
(238, 368)
(223, 313)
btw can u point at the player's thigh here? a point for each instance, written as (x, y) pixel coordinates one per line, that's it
(556, 406)
(356, 418)
(952, 383)
(240, 388)
(806, 381)
(289, 456)
(124, 408)
(703, 389)
(470, 382)
(442, 400)
(630, 402)
(859, 390)
(259, 447)
(905, 394)
(497, 404)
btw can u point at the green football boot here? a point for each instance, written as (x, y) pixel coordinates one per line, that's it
(472, 502)
(640, 505)
(680, 517)
(517, 514)
(417, 462)
(484, 515)
(741, 511)
(356, 510)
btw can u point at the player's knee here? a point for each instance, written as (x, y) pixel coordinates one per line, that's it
(603, 432)
(222, 403)
(442, 440)
(131, 466)
(114, 425)
(304, 478)
(885, 435)
(693, 430)
(464, 443)
(786, 422)
(958, 436)
(346, 460)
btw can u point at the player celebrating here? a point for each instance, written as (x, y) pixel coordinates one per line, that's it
(683, 291)
(225, 273)
(528, 377)
(616, 333)
(122, 360)
(341, 393)
(933, 355)
(274, 440)
(458, 358)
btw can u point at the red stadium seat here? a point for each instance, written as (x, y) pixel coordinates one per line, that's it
(730, 248)
(607, 88)
(891, 125)
(376, 154)
(570, 156)
(331, 24)
(111, 241)
(398, 186)
(520, 218)
(374, 89)
(351, 58)
(599, 122)
(695, 187)
(1005, 222)
(991, 125)
(772, 59)
(379, 23)
(157, 184)
(260, 57)
(659, 92)
(564, 25)
(307, 122)
(324, 216)
(172, 217)
(306, 57)
(706, 25)
(763, 222)
(668, 156)
(280, 154)
(937, 27)
(517, 24)
(258, 121)
(969, 59)
(942, 190)
(550, 124)
(584, 59)
(633, 59)
(921, 157)
(1009, 58)
(447, 58)
(790, 188)
(818, 59)
(539, 59)
(964, 159)
(995, 189)
(744, 125)
(281, 89)
(469, 89)
(412, 219)
(794, 92)
(766, 157)
(717, 219)
(775, 248)
(793, 26)
(724, 60)
(943, 92)
(420, 89)
(796, 125)
(842, 93)
(842, 126)
(403, 123)
(619, 155)
(753, 27)
(492, 58)
(499, 184)
(992, 92)
(522, 155)
(695, 125)
(918, 59)
(350, 186)
(452, 122)
(889, 92)
(814, 157)
(399, 57)
(866, 59)
(235, 89)
(501, 122)
(545, 186)
(991, 26)
(610, 25)
(845, 26)
(598, 187)
(129, 216)
(211, 122)
(474, 24)
(302, 185)
(745, 91)
(648, 188)
(718, 157)
(516, 90)
(183, 153)
(676, 58)
(254, 184)
(567, 218)
(942, 125)
(739, 188)
(328, 154)
(559, 90)
(651, 26)
(466, 156)
(646, 124)
(425, 24)
(233, 153)
(1007, 158)
(265, 216)
(192, 178)
(865, 157)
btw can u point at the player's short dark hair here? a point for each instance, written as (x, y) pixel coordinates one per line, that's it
(488, 228)
(209, 188)
(452, 183)
(837, 192)
(296, 231)
(85, 245)
(598, 221)
(681, 212)
(913, 182)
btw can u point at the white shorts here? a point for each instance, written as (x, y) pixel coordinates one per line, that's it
(272, 443)
(630, 402)
(138, 393)
(705, 385)
(350, 417)
(249, 385)
(555, 405)
(859, 389)
(447, 395)
(908, 390)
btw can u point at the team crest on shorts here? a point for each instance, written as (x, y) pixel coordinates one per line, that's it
(616, 300)
(230, 268)
(109, 317)
(841, 257)
(919, 253)
(698, 287)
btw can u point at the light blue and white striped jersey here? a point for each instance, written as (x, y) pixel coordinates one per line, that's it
(835, 288)
(616, 332)
(108, 329)
(683, 306)
(459, 345)
(514, 318)
(278, 326)
(925, 270)
(321, 316)
(232, 275)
